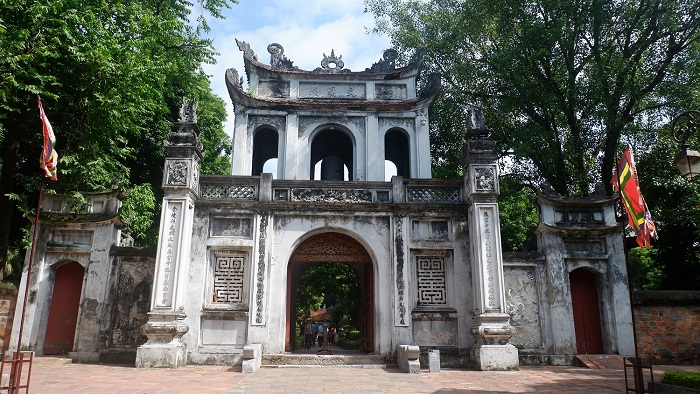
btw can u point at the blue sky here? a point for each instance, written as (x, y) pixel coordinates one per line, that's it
(305, 28)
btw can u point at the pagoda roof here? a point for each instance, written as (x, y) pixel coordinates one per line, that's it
(332, 71)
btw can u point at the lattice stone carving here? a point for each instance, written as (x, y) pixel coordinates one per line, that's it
(449, 195)
(228, 192)
(431, 281)
(229, 273)
(331, 247)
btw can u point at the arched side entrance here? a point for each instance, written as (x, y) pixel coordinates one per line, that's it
(584, 302)
(63, 313)
(332, 247)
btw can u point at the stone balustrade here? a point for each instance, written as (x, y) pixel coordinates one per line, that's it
(398, 191)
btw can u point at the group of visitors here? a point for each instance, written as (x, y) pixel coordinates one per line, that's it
(313, 333)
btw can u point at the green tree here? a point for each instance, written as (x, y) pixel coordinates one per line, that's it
(560, 82)
(673, 262)
(517, 212)
(112, 75)
(333, 285)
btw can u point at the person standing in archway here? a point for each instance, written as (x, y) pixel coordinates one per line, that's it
(308, 334)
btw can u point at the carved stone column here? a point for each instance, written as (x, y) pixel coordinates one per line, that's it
(166, 326)
(492, 328)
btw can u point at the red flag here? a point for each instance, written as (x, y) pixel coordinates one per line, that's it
(626, 182)
(49, 156)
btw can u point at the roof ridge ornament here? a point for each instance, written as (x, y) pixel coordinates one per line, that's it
(247, 51)
(188, 111)
(387, 63)
(332, 64)
(277, 58)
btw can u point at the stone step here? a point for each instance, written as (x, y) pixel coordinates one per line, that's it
(599, 361)
(290, 360)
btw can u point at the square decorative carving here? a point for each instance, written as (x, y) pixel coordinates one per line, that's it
(281, 195)
(431, 280)
(229, 277)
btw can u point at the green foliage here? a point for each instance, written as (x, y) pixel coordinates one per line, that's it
(333, 285)
(645, 273)
(137, 211)
(446, 138)
(112, 76)
(351, 341)
(350, 335)
(517, 213)
(688, 379)
(560, 82)
(674, 262)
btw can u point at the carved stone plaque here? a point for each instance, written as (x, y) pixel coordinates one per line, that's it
(277, 89)
(332, 91)
(390, 92)
(522, 304)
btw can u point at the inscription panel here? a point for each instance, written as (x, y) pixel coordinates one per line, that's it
(231, 227)
(223, 332)
(430, 230)
(279, 89)
(390, 92)
(332, 90)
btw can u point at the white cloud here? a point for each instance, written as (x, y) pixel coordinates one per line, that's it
(305, 29)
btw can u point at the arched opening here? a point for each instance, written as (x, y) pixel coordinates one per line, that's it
(310, 267)
(584, 302)
(270, 167)
(63, 313)
(264, 148)
(396, 150)
(335, 149)
(389, 170)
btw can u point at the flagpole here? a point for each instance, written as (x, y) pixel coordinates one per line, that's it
(15, 375)
(638, 377)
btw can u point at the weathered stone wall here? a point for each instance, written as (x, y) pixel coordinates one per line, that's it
(131, 282)
(667, 326)
(8, 303)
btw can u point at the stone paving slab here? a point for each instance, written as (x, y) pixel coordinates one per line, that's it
(55, 375)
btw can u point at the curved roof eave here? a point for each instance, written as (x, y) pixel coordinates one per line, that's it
(240, 97)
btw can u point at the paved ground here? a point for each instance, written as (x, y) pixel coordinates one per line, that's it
(56, 375)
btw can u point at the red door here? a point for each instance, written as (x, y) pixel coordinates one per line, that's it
(63, 315)
(584, 300)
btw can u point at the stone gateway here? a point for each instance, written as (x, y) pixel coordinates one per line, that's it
(309, 186)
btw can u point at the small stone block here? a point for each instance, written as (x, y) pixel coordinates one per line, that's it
(434, 360)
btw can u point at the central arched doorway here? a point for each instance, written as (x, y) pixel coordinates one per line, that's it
(324, 248)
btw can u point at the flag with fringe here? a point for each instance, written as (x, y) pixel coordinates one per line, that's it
(626, 183)
(49, 156)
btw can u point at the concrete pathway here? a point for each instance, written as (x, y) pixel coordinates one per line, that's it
(52, 375)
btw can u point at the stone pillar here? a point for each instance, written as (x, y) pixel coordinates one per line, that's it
(375, 149)
(492, 328)
(166, 326)
(422, 156)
